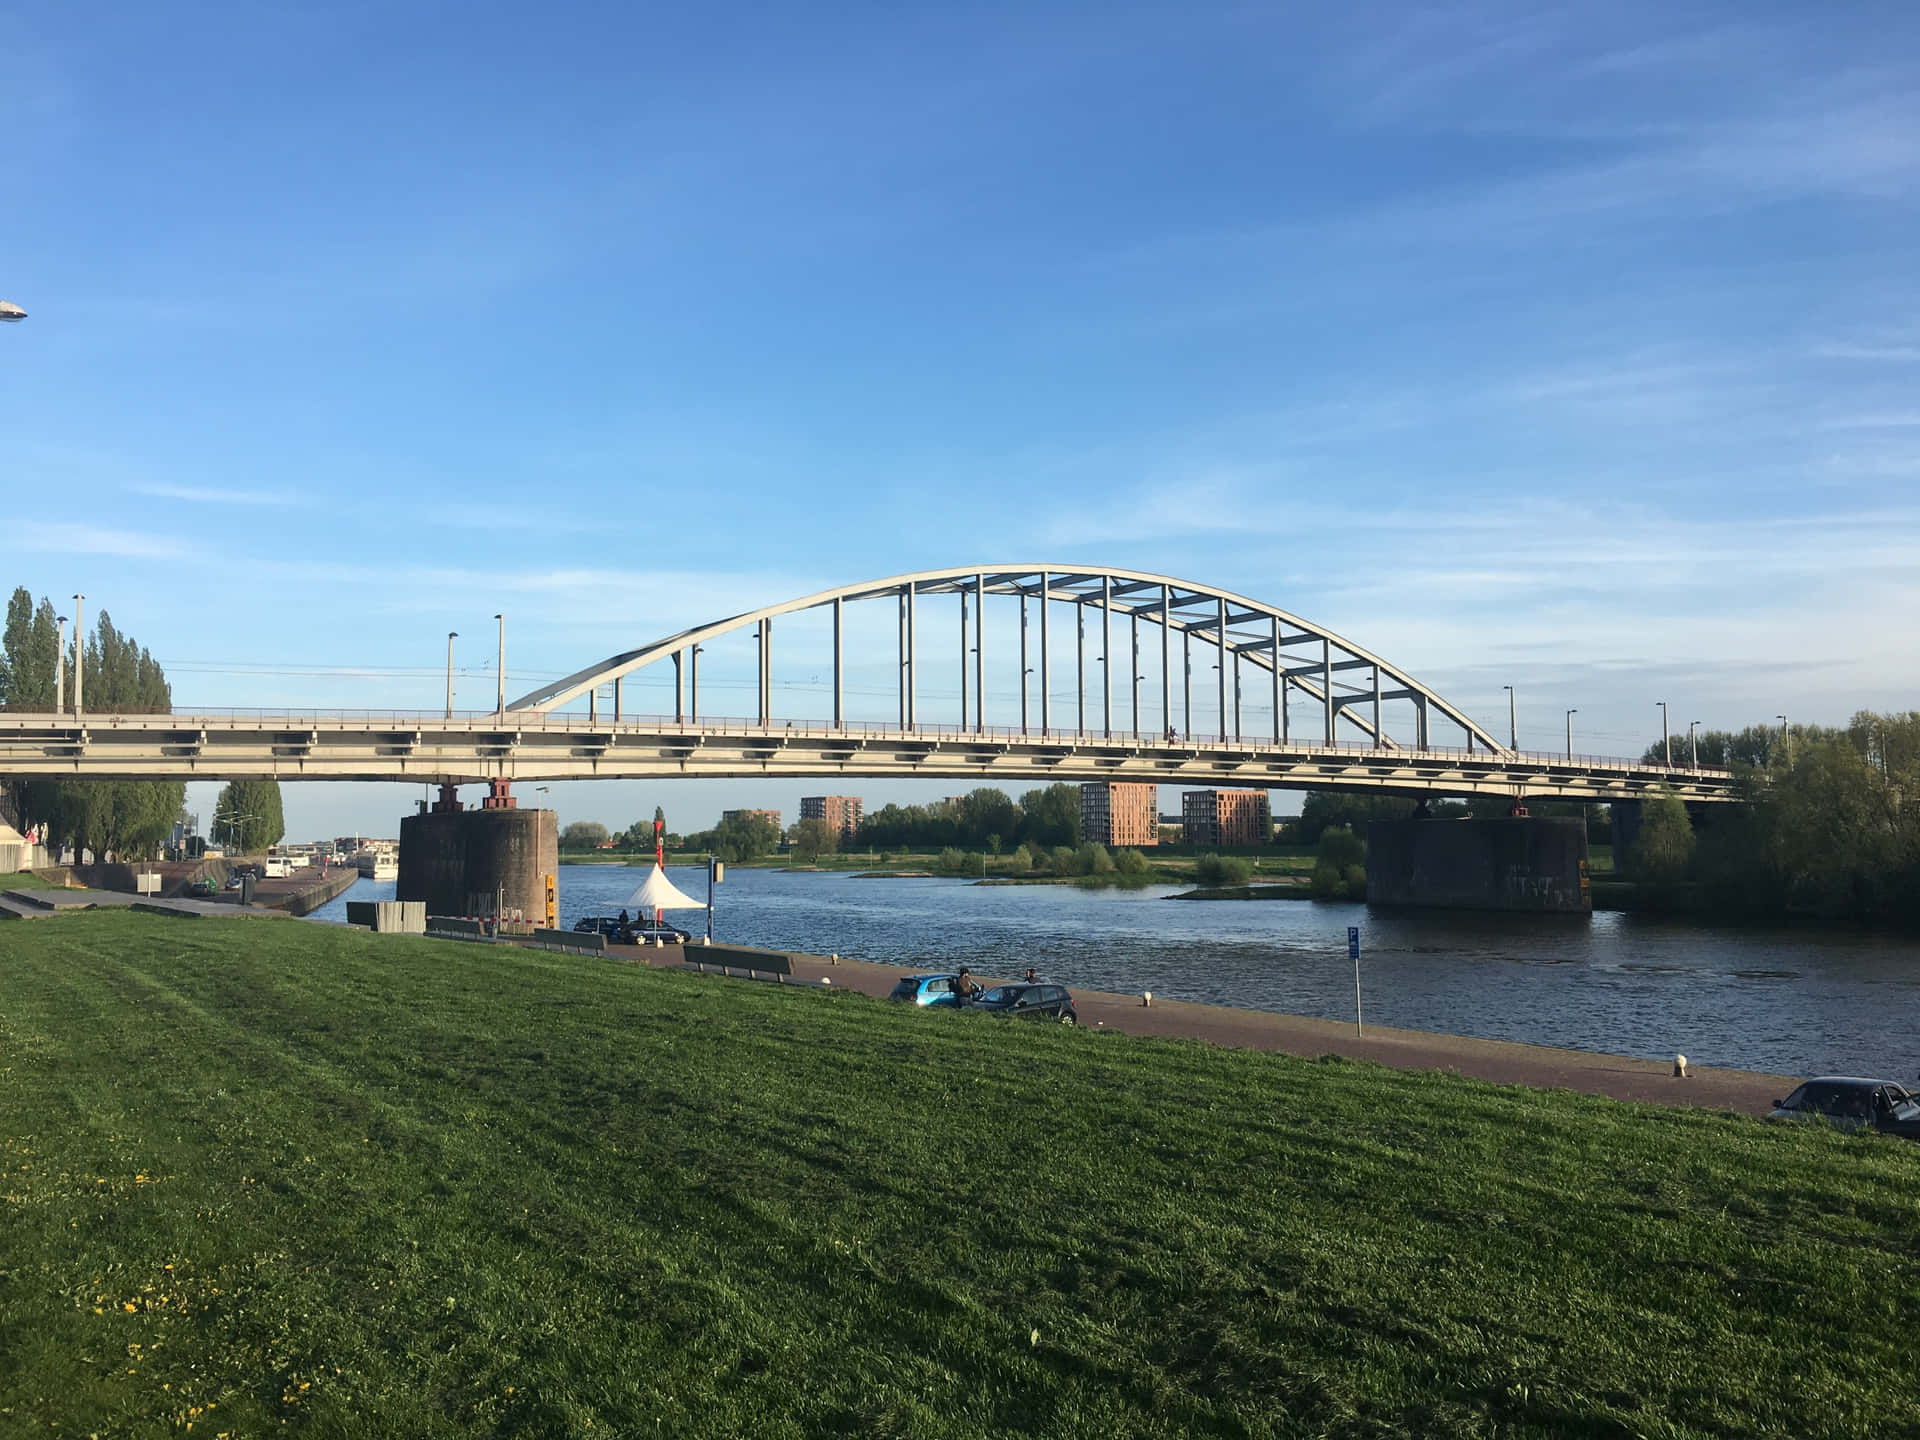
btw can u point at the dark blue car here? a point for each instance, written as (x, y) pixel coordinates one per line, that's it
(1030, 1002)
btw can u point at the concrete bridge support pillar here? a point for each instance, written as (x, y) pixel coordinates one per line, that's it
(479, 862)
(1533, 863)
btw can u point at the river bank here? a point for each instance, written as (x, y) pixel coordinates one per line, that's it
(1621, 1077)
(1618, 983)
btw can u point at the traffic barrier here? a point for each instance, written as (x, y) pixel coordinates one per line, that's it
(752, 963)
(578, 941)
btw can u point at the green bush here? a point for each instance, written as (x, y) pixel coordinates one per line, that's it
(1130, 862)
(1327, 884)
(1061, 861)
(952, 861)
(1222, 870)
(1340, 847)
(1356, 877)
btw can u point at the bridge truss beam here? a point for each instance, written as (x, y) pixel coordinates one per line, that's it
(430, 748)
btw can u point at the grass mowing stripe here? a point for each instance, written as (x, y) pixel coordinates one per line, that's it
(447, 1190)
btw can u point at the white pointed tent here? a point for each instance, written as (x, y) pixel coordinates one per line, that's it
(660, 893)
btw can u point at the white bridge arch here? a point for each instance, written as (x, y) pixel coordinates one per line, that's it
(1301, 661)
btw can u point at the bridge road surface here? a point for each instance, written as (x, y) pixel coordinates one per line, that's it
(1503, 1062)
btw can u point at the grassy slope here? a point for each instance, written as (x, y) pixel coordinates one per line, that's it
(24, 880)
(380, 1185)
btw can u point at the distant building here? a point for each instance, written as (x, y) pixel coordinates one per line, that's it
(1119, 812)
(772, 817)
(1226, 817)
(841, 812)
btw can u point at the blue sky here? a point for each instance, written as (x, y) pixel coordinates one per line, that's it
(1568, 347)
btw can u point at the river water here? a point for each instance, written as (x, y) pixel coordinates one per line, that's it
(1795, 1003)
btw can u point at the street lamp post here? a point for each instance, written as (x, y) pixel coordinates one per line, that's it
(60, 671)
(79, 654)
(501, 667)
(1693, 742)
(1570, 715)
(1786, 734)
(1666, 740)
(452, 635)
(1513, 720)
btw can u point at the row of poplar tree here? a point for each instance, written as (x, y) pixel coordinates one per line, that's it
(119, 676)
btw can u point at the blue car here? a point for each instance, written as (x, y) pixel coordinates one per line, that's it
(926, 990)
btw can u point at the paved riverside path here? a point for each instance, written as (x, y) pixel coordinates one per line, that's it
(1504, 1062)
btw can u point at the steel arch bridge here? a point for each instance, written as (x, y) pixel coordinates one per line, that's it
(1314, 683)
(1243, 633)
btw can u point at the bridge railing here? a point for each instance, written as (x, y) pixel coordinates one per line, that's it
(744, 727)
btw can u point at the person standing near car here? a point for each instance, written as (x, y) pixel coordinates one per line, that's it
(964, 988)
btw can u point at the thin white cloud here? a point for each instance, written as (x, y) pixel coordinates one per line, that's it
(72, 538)
(1891, 354)
(213, 494)
(1892, 420)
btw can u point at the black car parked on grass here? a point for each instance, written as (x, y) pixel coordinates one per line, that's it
(1030, 1002)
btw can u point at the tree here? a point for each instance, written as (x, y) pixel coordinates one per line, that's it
(738, 837)
(583, 835)
(104, 816)
(1051, 816)
(810, 839)
(986, 812)
(1664, 848)
(247, 818)
(1325, 808)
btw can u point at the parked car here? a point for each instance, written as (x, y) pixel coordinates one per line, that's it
(629, 933)
(1853, 1103)
(926, 990)
(1032, 1002)
(203, 887)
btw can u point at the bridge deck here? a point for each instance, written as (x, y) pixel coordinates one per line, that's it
(525, 746)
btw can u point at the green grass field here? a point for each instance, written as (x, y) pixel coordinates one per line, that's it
(24, 880)
(278, 1178)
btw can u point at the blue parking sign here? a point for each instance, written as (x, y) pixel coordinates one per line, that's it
(1353, 942)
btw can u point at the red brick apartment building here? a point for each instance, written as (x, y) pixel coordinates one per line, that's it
(1225, 817)
(841, 812)
(1117, 812)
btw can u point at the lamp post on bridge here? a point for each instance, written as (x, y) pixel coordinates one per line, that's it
(1693, 743)
(1666, 740)
(1513, 720)
(79, 655)
(500, 669)
(1570, 715)
(452, 635)
(60, 671)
